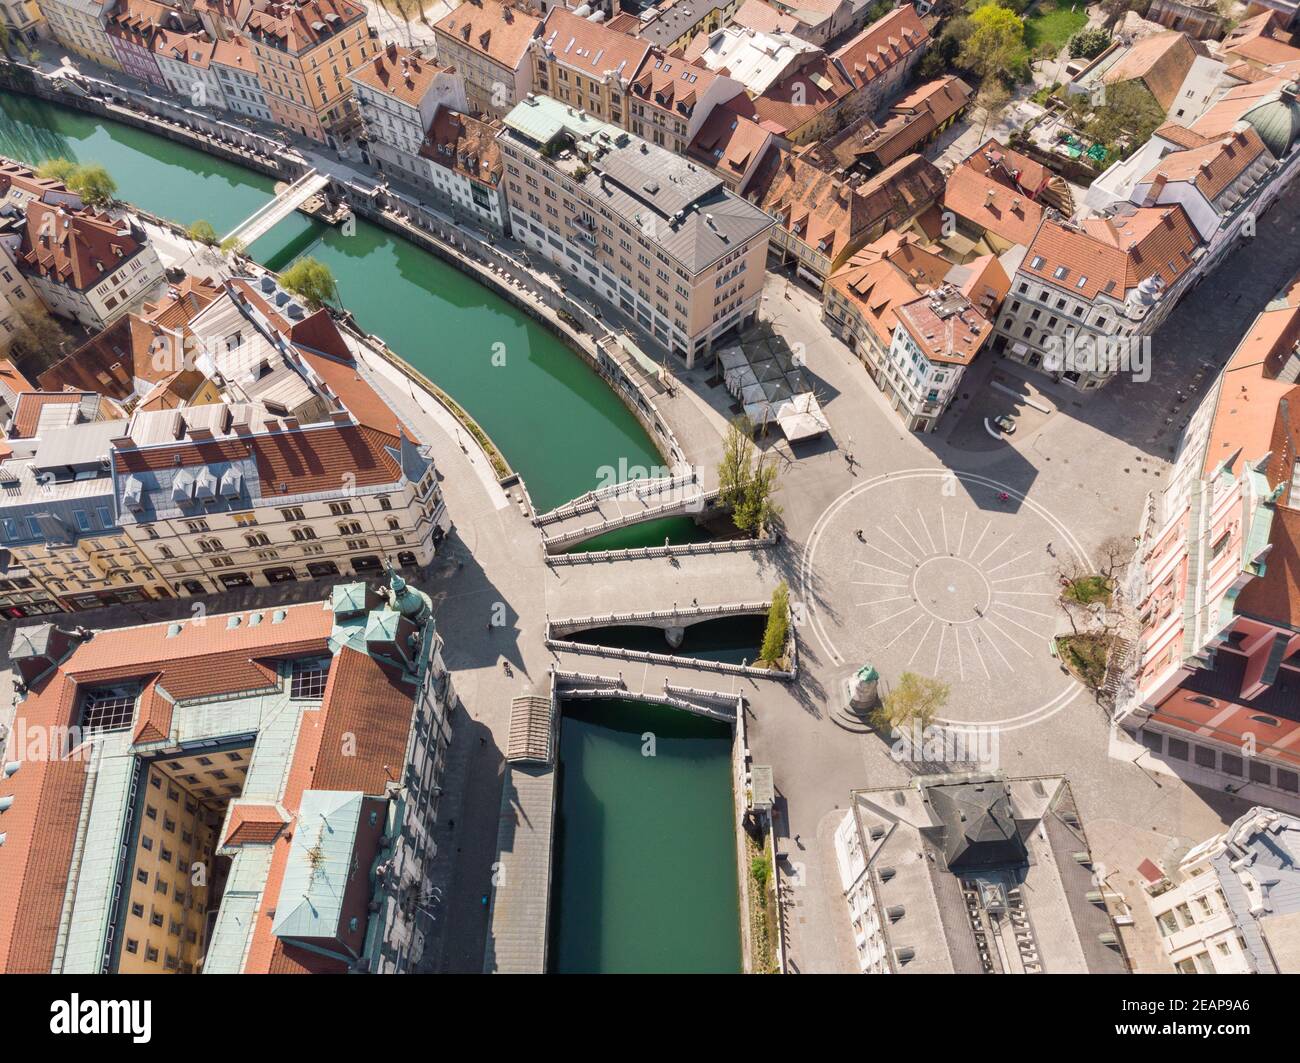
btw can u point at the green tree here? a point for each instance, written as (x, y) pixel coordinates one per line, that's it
(1089, 43)
(996, 45)
(312, 280)
(94, 184)
(233, 244)
(916, 699)
(58, 169)
(736, 466)
(756, 508)
(1128, 109)
(203, 232)
(777, 631)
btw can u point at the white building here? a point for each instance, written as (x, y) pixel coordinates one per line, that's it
(1234, 904)
(87, 266)
(397, 92)
(236, 70)
(185, 62)
(463, 163)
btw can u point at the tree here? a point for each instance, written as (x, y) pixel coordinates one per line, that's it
(203, 232)
(94, 184)
(58, 169)
(1129, 110)
(312, 280)
(735, 468)
(233, 245)
(745, 480)
(777, 631)
(1089, 42)
(37, 342)
(992, 97)
(996, 45)
(916, 699)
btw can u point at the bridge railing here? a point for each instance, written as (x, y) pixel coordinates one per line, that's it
(671, 660)
(691, 613)
(668, 509)
(637, 553)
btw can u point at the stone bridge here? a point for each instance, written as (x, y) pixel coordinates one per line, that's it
(674, 622)
(623, 505)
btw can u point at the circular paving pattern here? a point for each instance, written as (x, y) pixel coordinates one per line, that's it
(931, 571)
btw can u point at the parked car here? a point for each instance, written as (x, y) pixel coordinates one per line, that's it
(1004, 424)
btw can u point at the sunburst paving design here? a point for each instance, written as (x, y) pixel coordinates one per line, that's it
(960, 599)
(950, 575)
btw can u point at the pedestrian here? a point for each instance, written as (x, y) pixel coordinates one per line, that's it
(451, 824)
(482, 741)
(860, 536)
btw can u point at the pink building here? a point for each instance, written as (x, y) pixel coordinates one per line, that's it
(1215, 686)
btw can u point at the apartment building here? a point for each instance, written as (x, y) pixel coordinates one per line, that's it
(1212, 682)
(915, 319)
(185, 63)
(1231, 903)
(397, 93)
(668, 101)
(1085, 294)
(85, 265)
(487, 42)
(586, 65)
(133, 28)
(464, 170)
(224, 495)
(823, 218)
(236, 68)
(305, 50)
(58, 524)
(733, 145)
(929, 893)
(79, 26)
(262, 788)
(24, 20)
(650, 232)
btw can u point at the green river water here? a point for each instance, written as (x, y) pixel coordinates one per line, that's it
(646, 875)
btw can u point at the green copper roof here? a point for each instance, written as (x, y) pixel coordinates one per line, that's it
(310, 904)
(1277, 120)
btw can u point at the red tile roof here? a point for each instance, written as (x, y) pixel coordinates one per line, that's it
(1114, 255)
(1161, 62)
(294, 25)
(27, 411)
(499, 31)
(991, 205)
(253, 824)
(1261, 40)
(590, 48)
(729, 141)
(1212, 167)
(883, 45)
(464, 145)
(75, 248)
(404, 75)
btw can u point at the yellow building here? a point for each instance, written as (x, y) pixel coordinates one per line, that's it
(78, 26)
(23, 19)
(172, 875)
(304, 53)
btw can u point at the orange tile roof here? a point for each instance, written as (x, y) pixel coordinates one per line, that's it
(991, 205)
(1180, 135)
(235, 53)
(1226, 113)
(192, 49)
(75, 248)
(952, 335)
(294, 25)
(798, 98)
(670, 84)
(589, 47)
(1114, 255)
(1261, 40)
(763, 18)
(1212, 167)
(1161, 62)
(464, 145)
(1009, 167)
(499, 31)
(12, 381)
(400, 73)
(253, 824)
(729, 141)
(27, 411)
(40, 825)
(883, 45)
(886, 275)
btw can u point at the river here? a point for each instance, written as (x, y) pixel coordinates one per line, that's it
(646, 874)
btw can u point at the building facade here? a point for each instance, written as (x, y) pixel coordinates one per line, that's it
(648, 231)
(487, 44)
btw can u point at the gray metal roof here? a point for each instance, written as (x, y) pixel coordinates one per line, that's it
(679, 18)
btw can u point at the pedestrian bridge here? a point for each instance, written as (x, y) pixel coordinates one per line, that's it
(622, 505)
(674, 622)
(269, 215)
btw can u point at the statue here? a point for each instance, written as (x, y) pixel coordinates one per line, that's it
(862, 689)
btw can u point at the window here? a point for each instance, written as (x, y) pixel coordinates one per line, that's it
(339, 509)
(307, 681)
